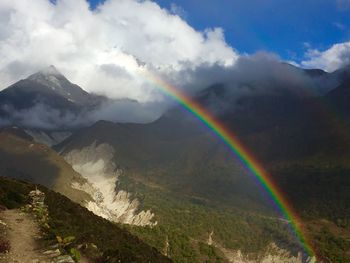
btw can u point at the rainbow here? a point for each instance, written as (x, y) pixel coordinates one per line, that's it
(241, 152)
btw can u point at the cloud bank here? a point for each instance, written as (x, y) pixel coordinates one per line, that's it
(258, 74)
(335, 57)
(104, 49)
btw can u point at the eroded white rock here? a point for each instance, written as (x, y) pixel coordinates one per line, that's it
(273, 254)
(96, 164)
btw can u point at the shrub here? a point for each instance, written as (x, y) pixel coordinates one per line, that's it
(75, 254)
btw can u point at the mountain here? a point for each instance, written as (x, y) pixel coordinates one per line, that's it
(46, 91)
(306, 123)
(178, 155)
(42, 85)
(174, 166)
(23, 158)
(339, 98)
(51, 78)
(188, 180)
(303, 141)
(48, 137)
(181, 190)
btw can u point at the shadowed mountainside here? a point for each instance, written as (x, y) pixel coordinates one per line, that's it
(24, 159)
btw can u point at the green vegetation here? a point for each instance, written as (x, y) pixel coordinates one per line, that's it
(187, 222)
(13, 194)
(101, 239)
(333, 248)
(319, 189)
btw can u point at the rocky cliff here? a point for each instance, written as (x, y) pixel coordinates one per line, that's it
(95, 163)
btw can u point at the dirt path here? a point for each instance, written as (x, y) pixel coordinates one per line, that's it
(22, 232)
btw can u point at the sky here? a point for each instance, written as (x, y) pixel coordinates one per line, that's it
(111, 47)
(289, 28)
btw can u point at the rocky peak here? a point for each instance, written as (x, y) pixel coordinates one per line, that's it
(54, 80)
(49, 77)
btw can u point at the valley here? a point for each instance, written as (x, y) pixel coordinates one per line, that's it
(178, 188)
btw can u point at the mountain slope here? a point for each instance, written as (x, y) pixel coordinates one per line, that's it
(24, 159)
(66, 218)
(302, 142)
(192, 184)
(339, 99)
(182, 156)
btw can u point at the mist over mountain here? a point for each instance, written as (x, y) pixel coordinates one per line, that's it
(45, 99)
(49, 100)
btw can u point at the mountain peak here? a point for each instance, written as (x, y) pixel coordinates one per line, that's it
(49, 77)
(49, 73)
(50, 70)
(52, 79)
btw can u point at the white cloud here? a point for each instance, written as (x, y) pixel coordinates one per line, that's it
(102, 50)
(331, 59)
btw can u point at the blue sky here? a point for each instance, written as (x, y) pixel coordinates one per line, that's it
(285, 27)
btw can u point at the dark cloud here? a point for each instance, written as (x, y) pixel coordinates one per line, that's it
(258, 73)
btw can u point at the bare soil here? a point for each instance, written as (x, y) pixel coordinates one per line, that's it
(23, 233)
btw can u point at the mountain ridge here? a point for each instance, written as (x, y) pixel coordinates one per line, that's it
(191, 183)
